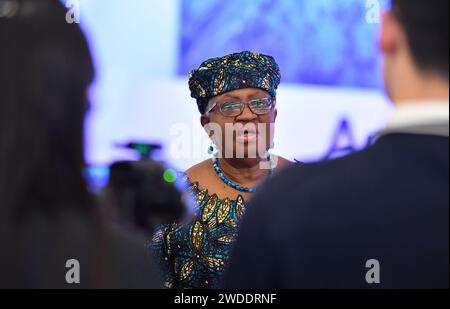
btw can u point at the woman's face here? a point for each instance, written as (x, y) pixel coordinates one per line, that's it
(247, 135)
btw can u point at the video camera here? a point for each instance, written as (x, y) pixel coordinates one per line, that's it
(144, 192)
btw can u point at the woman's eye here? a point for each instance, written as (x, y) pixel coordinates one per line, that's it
(230, 106)
(260, 104)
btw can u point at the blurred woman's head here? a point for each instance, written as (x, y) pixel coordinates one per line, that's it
(46, 69)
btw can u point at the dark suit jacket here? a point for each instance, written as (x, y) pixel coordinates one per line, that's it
(316, 225)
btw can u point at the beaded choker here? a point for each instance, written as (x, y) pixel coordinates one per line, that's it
(233, 184)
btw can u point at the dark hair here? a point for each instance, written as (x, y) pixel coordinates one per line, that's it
(45, 71)
(426, 24)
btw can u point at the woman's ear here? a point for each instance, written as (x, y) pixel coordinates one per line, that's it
(275, 111)
(204, 120)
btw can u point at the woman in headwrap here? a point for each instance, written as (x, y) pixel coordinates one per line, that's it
(236, 96)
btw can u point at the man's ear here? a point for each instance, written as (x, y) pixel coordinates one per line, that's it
(390, 34)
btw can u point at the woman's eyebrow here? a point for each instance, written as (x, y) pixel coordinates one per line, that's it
(259, 96)
(250, 97)
(230, 96)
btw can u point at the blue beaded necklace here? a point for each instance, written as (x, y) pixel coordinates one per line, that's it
(233, 184)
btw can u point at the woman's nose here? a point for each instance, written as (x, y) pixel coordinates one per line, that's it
(247, 114)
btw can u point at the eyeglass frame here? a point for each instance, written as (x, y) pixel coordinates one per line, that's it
(215, 104)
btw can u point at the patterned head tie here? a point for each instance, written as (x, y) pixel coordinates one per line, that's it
(232, 72)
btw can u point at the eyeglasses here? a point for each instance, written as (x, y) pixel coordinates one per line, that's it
(235, 108)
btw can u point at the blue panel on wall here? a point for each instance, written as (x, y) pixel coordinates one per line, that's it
(324, 42)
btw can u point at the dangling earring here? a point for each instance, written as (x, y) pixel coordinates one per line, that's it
(211, 149)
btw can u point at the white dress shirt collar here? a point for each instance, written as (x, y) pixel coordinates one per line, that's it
(419, 113)
(418, 117)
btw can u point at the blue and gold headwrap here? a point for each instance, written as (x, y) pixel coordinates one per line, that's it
(236, 71)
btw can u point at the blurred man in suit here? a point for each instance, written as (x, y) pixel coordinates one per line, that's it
(377, 218)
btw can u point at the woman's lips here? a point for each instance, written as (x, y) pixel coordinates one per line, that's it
(247, 137)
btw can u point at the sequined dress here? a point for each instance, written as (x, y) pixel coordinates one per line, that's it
(194, 255)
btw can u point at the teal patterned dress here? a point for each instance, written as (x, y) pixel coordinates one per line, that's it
(194, 254)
